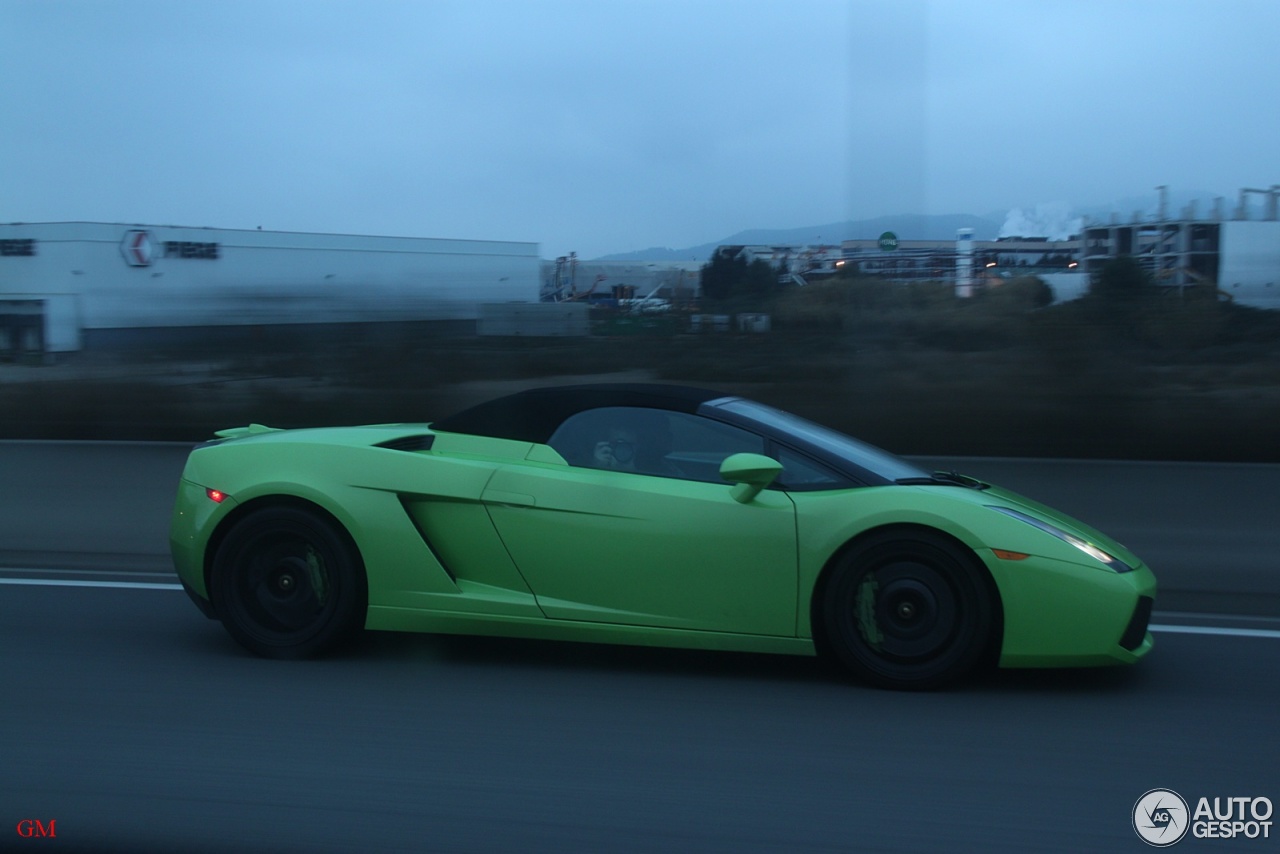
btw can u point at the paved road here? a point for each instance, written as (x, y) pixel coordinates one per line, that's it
(139, 726)
(101, 504)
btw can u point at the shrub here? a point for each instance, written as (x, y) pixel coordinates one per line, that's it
(1023, 293)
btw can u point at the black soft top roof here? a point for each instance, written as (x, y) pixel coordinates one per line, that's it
(533, 415)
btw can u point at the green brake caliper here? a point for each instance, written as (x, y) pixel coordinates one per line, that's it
(865, 604)
(318, 582)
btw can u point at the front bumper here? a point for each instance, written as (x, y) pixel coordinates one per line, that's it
(1062, 614)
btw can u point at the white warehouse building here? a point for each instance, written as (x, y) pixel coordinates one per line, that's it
(65, 281)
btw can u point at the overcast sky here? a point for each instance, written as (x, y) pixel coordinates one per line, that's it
(608, 126)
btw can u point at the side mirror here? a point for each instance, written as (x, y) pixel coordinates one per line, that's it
(749, 473)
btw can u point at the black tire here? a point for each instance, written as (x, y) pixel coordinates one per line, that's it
(908, 610)
(286, 584)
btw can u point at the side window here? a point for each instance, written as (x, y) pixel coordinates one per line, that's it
(700, 445)
(800, 472)
(651, 441)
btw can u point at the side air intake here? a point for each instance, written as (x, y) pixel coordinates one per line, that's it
(409, 443)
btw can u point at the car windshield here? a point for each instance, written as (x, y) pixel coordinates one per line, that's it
(861, 454)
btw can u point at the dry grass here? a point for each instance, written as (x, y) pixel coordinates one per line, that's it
(911, 369)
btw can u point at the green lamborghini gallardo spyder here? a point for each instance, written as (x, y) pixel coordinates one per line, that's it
(645, 514)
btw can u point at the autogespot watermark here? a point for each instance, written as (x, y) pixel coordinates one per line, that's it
(1161, 817)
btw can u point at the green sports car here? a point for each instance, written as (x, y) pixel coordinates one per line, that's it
(645, 514)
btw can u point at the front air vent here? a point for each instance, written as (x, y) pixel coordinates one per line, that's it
(409, 443)
(1137, 629)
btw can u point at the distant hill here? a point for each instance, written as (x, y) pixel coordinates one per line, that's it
(906, 226)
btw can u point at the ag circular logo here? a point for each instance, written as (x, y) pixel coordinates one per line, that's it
(1160, 817)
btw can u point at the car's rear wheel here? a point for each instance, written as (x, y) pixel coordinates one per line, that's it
(908, 611)
(287, 584)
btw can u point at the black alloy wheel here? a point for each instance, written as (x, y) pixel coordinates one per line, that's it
(908, 611)
(286, 584)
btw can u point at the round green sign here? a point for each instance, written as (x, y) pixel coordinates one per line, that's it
(888, 240)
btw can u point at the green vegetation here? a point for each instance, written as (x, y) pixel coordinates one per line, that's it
(909, 367)
(728, 275)
(1121, 281)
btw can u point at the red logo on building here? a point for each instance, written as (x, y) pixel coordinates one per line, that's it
(137, 248)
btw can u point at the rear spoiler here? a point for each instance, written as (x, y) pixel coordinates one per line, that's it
(250, 430)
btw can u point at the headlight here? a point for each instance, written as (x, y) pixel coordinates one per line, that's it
(1083, 545)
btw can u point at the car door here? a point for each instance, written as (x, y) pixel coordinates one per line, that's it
(657, 541)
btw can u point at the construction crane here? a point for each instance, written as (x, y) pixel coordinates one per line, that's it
(564, 279)
(563, 285)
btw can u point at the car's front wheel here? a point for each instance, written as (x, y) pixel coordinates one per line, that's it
(908, 610)
(286, 584)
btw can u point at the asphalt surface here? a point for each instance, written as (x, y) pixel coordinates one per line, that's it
(94, 504)
(137, 725)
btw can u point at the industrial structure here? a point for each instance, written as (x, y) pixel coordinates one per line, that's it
(966, 263)
(638, 285)
(907, 260)
(66, 284)
(1239, 256)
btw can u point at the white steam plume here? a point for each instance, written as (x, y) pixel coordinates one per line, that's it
(1054, 220)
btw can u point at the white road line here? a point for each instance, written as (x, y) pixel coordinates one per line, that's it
(1214, 630)
(140, 585)
(57, 582)
(1192, 616)
(80, 571)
